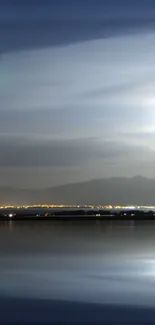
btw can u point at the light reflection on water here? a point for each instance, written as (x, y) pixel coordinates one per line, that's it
(90, 261)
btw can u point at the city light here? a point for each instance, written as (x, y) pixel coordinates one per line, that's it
(86, 206)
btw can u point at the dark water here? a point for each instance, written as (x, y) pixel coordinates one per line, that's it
(71, 266)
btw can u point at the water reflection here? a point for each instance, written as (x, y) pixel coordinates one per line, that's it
(91, 261)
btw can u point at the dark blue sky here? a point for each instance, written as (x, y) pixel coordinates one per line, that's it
(77, 90)
(29, 24)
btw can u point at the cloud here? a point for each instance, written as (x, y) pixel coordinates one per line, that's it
(85, 106)
(32, 151)
(45, 152)
(90, 85)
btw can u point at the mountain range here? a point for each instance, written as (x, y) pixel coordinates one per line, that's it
(137, 190)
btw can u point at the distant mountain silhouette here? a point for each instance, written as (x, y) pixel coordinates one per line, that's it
(137, 191)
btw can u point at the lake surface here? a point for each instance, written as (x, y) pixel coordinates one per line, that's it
(84, 262)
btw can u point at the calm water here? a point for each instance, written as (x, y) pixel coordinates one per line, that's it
(91, 262)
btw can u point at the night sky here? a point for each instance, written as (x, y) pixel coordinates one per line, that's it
(77, 90)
